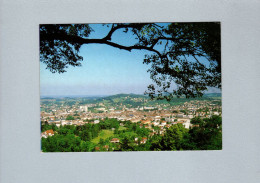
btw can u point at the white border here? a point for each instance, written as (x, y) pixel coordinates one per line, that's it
(20, 159)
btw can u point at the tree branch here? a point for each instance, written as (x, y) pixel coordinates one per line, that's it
(198, 61)
(120, 26)
(76, 39)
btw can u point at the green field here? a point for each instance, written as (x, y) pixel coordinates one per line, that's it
(104, 134)
(121, 128)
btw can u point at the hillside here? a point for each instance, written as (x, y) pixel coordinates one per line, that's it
(134, 100)
(128, 100)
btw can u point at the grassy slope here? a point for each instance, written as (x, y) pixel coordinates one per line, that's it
(104, 134)
(122, 128)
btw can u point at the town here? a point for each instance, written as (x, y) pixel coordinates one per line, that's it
(125, 110)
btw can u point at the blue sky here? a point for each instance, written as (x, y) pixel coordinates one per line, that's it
(105, 70)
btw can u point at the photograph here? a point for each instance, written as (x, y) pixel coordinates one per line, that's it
(129, 91)
(108, 87)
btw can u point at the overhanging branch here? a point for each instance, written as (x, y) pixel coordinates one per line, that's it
(79, 40)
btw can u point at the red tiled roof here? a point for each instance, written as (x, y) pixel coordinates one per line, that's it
(49, 131)
(114, 139)
(145, 121)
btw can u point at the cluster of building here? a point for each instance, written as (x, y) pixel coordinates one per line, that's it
(161, 116)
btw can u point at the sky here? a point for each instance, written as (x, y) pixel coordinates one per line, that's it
(105, 70)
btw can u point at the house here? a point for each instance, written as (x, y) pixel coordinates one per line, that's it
(157, 118)
(164, 123)
(187, 124)
(135, 120)
(190, 116)
(96, 121)
(106, 147)
(168, 126)
(156, 123)
(63, 122)
(52, 118)
(161, 131)
(47, 133)
(147, 126)
(168, 119)
(114, 140)
(145, 121)
(180, 115)
(216, 113)
(143, 141)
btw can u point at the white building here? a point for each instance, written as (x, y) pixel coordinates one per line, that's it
(83, 108)
(96, 121)
(187, 123)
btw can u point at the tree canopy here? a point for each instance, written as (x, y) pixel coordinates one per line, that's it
(185, 58)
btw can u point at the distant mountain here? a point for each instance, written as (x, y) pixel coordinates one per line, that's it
(213, 95)
(131, 95)
(120, 99)
(128, 100)
(122, 95)
(43, 97)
